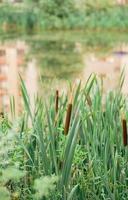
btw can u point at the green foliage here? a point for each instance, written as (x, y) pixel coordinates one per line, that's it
(4, 124)
(17, 19)
(58, 8)
(4, 194)
(11, 173)
(89, 163)
(55, 14)
(44, 186)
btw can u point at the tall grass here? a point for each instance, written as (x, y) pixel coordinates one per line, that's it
(90, 162)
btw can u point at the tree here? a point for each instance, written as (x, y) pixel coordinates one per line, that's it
(57, 8)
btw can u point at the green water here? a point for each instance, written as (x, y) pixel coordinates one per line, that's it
(59, 54)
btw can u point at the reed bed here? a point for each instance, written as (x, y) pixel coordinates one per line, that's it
(82, 156)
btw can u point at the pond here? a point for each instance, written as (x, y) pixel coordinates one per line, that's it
(50, 60)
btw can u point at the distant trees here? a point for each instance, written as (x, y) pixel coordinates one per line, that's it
(63, 14)
(59, 8)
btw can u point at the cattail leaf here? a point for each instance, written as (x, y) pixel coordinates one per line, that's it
(73, 192)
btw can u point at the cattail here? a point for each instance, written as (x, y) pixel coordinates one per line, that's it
(57, 101)
(68, 114)
(1, 114)
(68, 118)
(124, 125)
(56, 106)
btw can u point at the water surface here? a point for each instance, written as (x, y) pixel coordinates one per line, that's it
(47, 61)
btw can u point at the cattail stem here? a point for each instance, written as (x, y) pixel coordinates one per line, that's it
(124, 125)
(68, 118)
(57, 101)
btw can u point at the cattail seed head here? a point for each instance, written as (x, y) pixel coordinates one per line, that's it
(68, 118)
(124, 126)
(1, 114)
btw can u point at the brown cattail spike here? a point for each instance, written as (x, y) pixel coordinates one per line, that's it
(1, 114)
(124, 125)
(68, 118)
(57, 101)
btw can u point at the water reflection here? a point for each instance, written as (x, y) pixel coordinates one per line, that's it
(108, 67)
(12, 63)
(31, 81)
(48, 63)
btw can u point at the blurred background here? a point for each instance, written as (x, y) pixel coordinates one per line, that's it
(52, 42)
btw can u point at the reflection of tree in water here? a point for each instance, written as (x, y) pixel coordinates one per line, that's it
(57, 58)
(60, 54)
